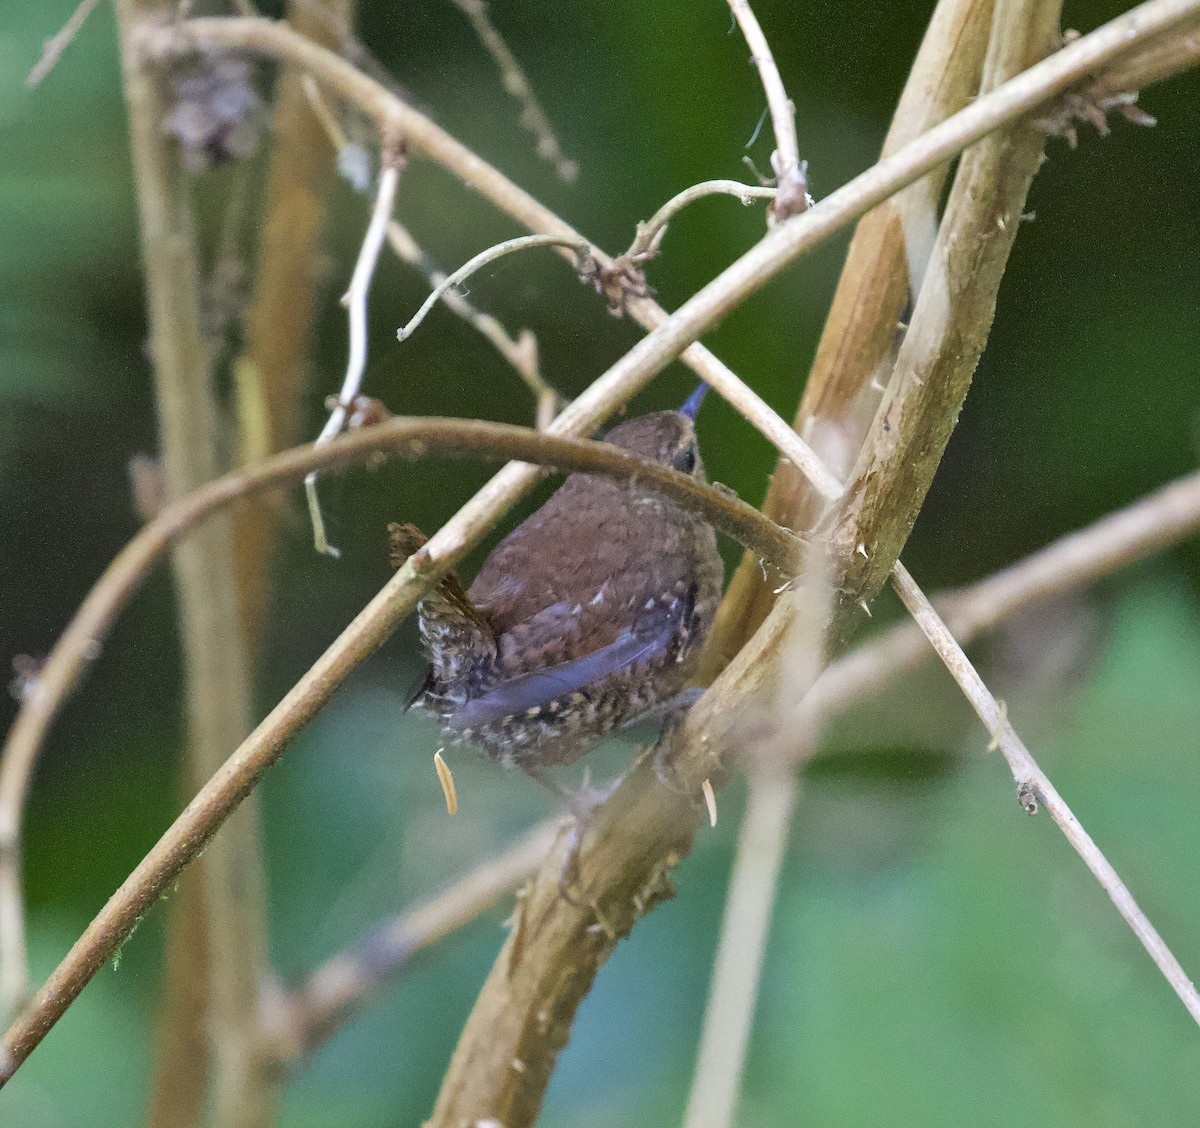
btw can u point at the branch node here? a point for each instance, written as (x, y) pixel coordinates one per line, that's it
(1028, 796)
(619, 283)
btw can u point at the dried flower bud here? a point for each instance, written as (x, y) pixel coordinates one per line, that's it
(217, 115)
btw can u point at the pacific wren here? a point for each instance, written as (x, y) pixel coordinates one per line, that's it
(584, 619)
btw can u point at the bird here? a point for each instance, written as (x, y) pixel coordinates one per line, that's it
(584, 620)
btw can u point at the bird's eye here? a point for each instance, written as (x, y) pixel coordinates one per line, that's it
(685, 459)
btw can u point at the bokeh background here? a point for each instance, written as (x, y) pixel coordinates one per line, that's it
(936, 957)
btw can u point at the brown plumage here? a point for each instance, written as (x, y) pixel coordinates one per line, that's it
(583, 619)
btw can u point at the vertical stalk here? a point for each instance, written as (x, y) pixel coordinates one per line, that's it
(230, 910)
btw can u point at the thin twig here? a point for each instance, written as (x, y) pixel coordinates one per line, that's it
(521, 352)
(499, 250)
(355, 301)
(60, 41)
(337, 990)
(1033, 786)
(650, 234)
(793, 186)
(533, 117)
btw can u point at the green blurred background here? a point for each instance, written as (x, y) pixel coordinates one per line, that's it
(936, 958)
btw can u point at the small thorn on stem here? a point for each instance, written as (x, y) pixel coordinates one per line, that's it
(446, 779)
(710, 801)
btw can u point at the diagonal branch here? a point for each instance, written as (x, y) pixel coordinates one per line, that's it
(343, 985)
(1033, 786)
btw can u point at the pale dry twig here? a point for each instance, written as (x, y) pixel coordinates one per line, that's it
(355, 301)
(1033, 786)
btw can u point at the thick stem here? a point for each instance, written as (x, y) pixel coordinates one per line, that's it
(859, 340)
(216, 677)
(955, 304)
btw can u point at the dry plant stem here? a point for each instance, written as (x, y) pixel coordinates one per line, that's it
(521, 353)
(952, 317)
(499, 250)
(650, 234)
(423, 135)
(728, 1016)
(399, 596)
(336, 991)
(860, 335)
(533, 117)
(216, 672)
(355, 301)
(1033, 786)
(59, 42)
(793, 191)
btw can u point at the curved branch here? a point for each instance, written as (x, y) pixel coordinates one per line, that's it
(80, 643)
(468, 268)
(650, 233)
(402, 437)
